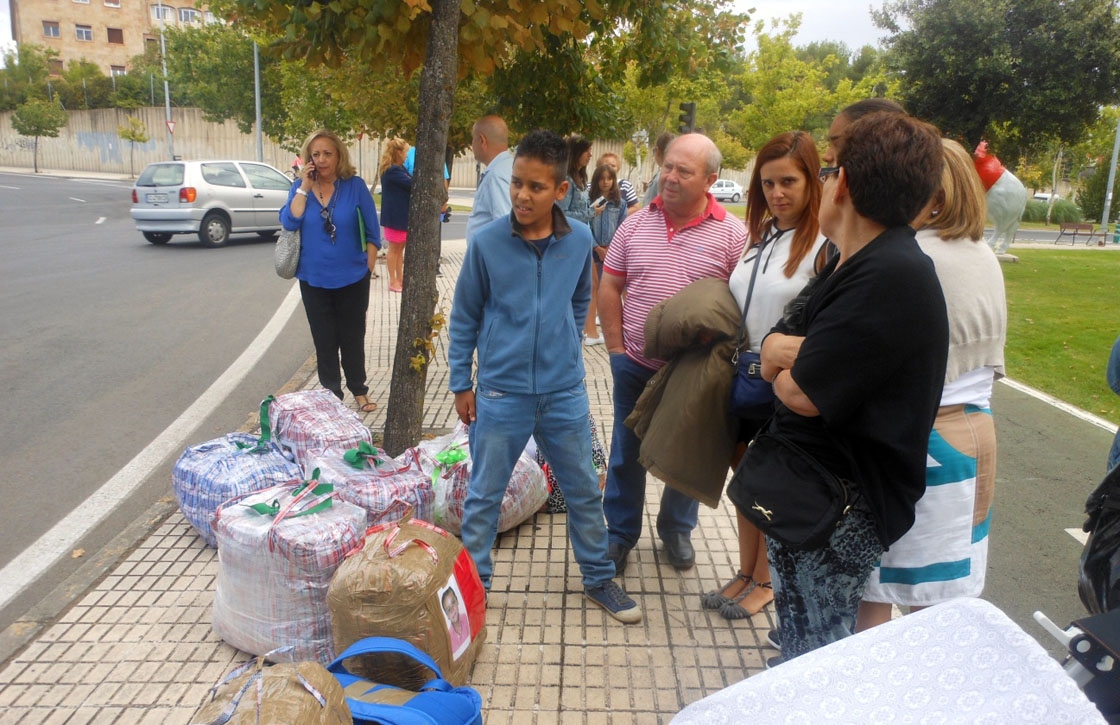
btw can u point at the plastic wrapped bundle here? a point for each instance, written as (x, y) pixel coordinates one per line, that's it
(301, 692)
(315, 420)
(447, 461)
(366, 476)
(209, 474)
(277, 550)
(413, 581)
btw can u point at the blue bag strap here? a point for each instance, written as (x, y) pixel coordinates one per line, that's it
(375, 645)
(366, 713)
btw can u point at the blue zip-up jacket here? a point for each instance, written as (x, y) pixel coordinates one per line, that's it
(523, 311)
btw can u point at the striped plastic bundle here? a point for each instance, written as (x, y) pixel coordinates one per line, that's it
(209, 474)
(447, 462)
(366, 476)
(315, 420)
(277, 551)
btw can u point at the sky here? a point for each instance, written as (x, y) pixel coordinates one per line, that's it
(848, 22)
(5, 30)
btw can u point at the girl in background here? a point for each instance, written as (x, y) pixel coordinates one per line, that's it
(396, 188)
(609, 210)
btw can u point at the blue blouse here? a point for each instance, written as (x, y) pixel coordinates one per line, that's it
(340, 262)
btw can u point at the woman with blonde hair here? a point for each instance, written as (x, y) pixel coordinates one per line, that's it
(396, 188)
(945, 554)
(339, 237)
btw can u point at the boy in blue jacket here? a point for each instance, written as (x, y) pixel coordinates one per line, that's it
(520, 301)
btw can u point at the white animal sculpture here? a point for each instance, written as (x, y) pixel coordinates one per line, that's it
(1007, 197)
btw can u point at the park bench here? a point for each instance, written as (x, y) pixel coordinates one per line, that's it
(1075, 229)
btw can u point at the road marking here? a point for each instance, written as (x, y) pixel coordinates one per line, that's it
(74, 198)
(61, 539)
(100, 220)
(1060, 405)
(1078, 534)
(10, 187)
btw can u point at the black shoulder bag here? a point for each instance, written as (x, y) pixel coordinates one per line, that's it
(787, 493)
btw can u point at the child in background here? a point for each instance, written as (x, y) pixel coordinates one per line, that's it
(610, 210)
(522, 291)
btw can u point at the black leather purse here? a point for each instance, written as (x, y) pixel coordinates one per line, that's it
(787, 493)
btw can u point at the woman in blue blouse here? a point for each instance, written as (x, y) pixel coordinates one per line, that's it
(334, 211)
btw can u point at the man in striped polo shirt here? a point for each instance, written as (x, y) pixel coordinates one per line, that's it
(682, 236)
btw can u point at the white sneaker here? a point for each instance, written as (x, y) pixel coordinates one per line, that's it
(589, 341)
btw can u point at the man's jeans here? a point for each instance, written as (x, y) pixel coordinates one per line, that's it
(624, 500)
(559, 421)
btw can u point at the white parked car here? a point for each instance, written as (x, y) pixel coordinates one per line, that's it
(727, 190)
(212, 199)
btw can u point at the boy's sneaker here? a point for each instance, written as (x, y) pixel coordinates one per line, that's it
(618, 603)
(772, 640)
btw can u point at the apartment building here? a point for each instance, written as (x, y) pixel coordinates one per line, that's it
(106, 32)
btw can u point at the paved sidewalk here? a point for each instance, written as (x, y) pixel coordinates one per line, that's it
(138, 647)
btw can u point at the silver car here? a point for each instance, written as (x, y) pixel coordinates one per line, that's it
(212, 199)
(727, 190)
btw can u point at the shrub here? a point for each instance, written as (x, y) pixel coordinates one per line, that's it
(1063, 211)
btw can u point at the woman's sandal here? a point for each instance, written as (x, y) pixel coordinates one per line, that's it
(365, 405)
(734, 610)
(717, 599)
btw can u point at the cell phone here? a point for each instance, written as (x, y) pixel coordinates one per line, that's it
(599, 202)
(314, 173)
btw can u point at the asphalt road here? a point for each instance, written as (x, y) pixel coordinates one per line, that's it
(105, 340)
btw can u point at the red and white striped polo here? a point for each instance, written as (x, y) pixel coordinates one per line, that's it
(658, 261)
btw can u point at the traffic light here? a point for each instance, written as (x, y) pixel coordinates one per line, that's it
(687, 117)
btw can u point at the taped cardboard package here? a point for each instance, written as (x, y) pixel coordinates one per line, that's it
(413, 581)
(299, 692)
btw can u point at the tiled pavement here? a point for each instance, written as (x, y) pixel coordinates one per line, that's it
(137, 647)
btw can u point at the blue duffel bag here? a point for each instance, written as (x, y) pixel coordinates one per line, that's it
(436, 703)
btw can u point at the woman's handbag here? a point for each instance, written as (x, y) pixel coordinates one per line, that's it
(286, 254)
(751, 396)
(787, 493)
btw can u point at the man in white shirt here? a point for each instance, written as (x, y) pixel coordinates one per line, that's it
(490, 143)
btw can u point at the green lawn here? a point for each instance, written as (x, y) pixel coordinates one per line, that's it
(1063, 315)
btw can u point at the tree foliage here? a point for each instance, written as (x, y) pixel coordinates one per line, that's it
(134, 132)
(37, 117)
(1040, 67)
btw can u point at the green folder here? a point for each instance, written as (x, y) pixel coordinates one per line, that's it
(361, 229)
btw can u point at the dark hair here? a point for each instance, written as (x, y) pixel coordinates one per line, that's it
(800, 148)
(577, 145)
(867, 106)
(892, 164)
(606, 170)
(663, 141)
(547, 147)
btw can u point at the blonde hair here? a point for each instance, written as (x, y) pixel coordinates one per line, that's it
(395, 151)
(961, 198)
(345, 168)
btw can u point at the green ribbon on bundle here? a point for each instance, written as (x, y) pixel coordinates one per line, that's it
(360, 457)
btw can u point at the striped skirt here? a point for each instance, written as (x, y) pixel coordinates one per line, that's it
(945, 554)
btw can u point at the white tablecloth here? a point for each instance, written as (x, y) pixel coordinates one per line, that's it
(962, 661)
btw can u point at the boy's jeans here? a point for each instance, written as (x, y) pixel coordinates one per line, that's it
(625, 496)
(498, 436)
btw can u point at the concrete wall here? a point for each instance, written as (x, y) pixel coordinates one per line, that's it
(90, 142)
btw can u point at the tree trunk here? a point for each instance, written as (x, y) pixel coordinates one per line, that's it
(35, 155)
(418, 304)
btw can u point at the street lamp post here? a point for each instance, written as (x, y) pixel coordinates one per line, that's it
(640, 138)
(166, 91)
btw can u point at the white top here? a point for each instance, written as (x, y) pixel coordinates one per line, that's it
(772, 288)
